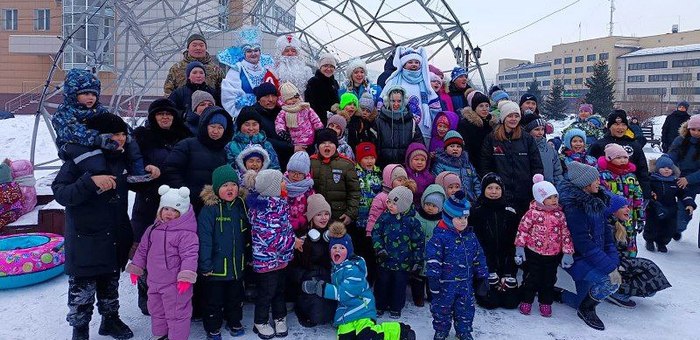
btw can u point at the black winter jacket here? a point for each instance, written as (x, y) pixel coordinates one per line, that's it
(322, 92)
(182, 96)
(474, 130)
(389, 68)
(634, 150)
(394, 136)
(193, 160)
(669, 131)
(284, 148)
(98, 234)
(495, 224)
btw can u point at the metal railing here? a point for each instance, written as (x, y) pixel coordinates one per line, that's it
(23, 100)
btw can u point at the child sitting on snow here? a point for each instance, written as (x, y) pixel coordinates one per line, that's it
(168, 252)
(297, 120)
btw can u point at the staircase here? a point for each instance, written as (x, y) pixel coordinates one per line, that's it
(27, 98)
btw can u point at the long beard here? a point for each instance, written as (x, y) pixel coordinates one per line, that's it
(292, 69)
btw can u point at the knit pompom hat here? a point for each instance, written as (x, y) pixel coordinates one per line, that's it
(316, 204)
(614, 150)
(447, 178)
(348, 98)
(354, 64)
(453, 137)
(268, 183)
(338, 235)
(456, 205)
(178, 199)
(569, 135)
(223, 175)
(457, 72)
(402, 197)
(499, 95)
(288, 91)
(582, 175)
(507, 107)
(367, 102)
(542, 189)
(299, 162)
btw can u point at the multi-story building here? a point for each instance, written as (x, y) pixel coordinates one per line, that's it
(517, 79)
(572, 63)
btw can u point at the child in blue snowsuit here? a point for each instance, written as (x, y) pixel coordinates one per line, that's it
(453, 158)
(75, 140)
(355, 317)
(454, 259)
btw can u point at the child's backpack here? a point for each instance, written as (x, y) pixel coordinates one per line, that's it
(23, 174)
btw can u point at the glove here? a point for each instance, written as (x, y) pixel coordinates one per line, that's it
(567, 261)
(104, 141)
(482, 287)
(183, 286)
(134, 279)
(313, 286)
(382, 254)
(519, 255)
(615, 277)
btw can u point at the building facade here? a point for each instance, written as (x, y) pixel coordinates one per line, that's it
(516, 80)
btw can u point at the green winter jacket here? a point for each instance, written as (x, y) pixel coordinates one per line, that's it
(336, 179)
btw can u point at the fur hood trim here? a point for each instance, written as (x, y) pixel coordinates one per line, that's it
(208, 196)
(652, 168)
(683, 130)
(474, 118)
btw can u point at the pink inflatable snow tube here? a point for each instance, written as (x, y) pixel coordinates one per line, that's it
(23, 174)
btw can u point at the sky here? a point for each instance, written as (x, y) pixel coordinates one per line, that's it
(489, 20)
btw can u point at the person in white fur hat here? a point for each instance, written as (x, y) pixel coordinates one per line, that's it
(297, 121)
(290, 62)
(412, 74)
(357, 83)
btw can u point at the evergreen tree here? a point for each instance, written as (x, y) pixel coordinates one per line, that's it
(601, 89)
(555, 105)
(533, 88)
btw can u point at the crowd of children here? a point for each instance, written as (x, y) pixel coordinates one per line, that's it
(347, 227)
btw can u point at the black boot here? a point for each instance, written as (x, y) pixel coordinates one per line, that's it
(662, 247)
(557, 296)
(650, 246)
(586, 311)
(407, 333)
(113, 326)
(81, 332)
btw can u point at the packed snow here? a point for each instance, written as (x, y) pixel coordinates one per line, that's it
(38, 312)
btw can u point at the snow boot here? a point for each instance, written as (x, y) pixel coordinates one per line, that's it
(380, 313)
(586, 311)
(81, 332)
(650, 246)
(406, 332)
(661, 247)
(440, 335)
(677, 236)
(394, 315)
(236, 330)
(557, 296)
(464, 336)
(546, 310)
(214, 336)
(525, 308)
(281, 327)
(621, 302)
(113, 326)
(264, 330)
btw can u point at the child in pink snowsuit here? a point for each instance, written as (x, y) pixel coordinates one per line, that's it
(168, 252)
(297, 120)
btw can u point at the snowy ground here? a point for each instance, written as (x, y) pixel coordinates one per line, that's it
(38, 312)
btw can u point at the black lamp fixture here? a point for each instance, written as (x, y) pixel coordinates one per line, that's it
(477, 52)
(458, 54)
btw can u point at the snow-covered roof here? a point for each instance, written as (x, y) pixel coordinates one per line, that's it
(526, 66)
(663, 50)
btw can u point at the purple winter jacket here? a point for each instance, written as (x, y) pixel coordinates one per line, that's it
(436, 142)
(424, 178)
(168, 251)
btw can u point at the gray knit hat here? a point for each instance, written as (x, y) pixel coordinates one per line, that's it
(582, 175)
(367, 102)
(402, 196)
(299, 162)
(269, 183)
(315, 204)
(199, 96)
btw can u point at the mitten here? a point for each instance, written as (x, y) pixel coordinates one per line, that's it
(104, 141)
(313, 286)
(134, 279)
(519, 255)
(482, 288)
(183, 286)
(567, 261)
(615, 277)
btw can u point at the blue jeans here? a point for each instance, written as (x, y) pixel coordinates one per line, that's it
(596, 284)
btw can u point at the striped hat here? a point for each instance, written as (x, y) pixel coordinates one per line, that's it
(456, 205)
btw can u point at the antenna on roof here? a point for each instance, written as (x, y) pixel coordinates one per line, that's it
(612, 9)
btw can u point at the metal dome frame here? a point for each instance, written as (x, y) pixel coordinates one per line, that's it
(370, 23)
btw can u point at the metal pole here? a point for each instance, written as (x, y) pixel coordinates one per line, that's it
(466, 37)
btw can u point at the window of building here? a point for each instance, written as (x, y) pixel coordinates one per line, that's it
(500, 77)
(578, 81)
(557, 71)
(603, 56)
(648, 65)
(685, 63)
(513, 84)
(647, 91)
(9, 19)
(557, 81)
(567, 81)
(698, 76)
(589, 69)
(590, 57)
(671, 77)
(578, 70)
(567, 71)
(547, 82)
(579, 59)
(42, 19)
(635, 79)
(525, 75)
(521, 84)
(557, 61)
(685, 90)
(542, 74)
(93, 44)
(567, 60)
(510, 76)
(506, 85)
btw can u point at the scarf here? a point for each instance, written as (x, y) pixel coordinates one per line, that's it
(254, 72)
(621, 169)
(291, 118)
(296, 189)
(657, 176)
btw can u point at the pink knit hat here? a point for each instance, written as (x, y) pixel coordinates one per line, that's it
(613, 151)
(447, 178)
(694, 122)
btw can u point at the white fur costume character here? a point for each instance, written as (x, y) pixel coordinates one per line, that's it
(291, 69)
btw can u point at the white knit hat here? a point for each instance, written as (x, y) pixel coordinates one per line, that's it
(178, 199)
(327, 59)
(542, 189)
(353, 65)
(507, 107)
(288, 91)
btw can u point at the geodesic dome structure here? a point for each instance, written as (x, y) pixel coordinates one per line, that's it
(136, 41)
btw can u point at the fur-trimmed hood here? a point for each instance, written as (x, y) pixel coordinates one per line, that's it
(474, 119)
(209, 197)
(571, 196)
(652, 168)
(683, 130)
(250, 149)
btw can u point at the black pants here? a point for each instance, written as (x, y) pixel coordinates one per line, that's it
(540, 277)
(81, 297)
(224, 301)
(419, 288)
(142, 289)
(661, 231)
(270, 295)
(390, 289)
(363, 247)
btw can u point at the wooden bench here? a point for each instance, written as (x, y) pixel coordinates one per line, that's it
(648, 132)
